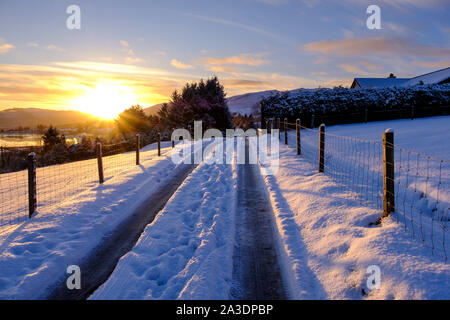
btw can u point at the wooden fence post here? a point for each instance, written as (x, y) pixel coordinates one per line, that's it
(321, 147)
(138, 146)
(100, 163)
(388, 173)
(31, 184)
(297, 129)
(366, 112)
(159, 144)
(268, 126)
(279, 127)
(173, 144)
(285, 131)
(1, 157)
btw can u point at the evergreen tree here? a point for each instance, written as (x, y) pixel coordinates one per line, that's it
(132, 120)
(51, 138)
(197, 101)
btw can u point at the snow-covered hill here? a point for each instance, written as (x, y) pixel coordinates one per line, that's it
(248, 103)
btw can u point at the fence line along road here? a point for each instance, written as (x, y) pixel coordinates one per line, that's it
(412, 187)
(23, 192)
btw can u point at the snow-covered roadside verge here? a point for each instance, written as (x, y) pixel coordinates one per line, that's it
(186, 252)
(326, 243)
(37, 253)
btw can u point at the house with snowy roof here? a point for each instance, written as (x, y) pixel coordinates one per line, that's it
(436, 77)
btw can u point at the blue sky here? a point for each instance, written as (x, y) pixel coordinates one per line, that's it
(152, 47)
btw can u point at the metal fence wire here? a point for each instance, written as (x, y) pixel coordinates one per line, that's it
(58, 183)
(421, 182)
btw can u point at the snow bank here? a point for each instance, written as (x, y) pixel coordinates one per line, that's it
(186, 252)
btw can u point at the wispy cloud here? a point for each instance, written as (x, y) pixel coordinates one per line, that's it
(180, 65)
(133, 60)
(130, 58)
(273, 2)
(242, 59)
(4, 48)
(243, 26)
(432, 64)
(381, 45)
(319, 73)
(52, 47)
(392, 3)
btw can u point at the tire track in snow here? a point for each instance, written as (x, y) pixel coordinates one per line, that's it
(256, 272)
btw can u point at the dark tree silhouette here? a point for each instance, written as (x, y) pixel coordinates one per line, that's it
(132, 120)
(51, 138)
(201, 100)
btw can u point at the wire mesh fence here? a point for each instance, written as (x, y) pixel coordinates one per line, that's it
(422, 197)
(13, 197)
(60, 182)
(421, 183)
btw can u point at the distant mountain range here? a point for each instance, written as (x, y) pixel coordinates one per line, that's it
(31, 117)
(244, 104)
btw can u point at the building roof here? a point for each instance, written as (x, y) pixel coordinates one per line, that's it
(430, 78)
(379, 82)
(435, 77)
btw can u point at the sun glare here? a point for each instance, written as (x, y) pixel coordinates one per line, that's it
(105, 100)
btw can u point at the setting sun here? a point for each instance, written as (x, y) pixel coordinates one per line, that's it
(105, 100)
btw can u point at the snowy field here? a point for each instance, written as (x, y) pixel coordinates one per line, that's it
(430, 136)
(354, 157)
